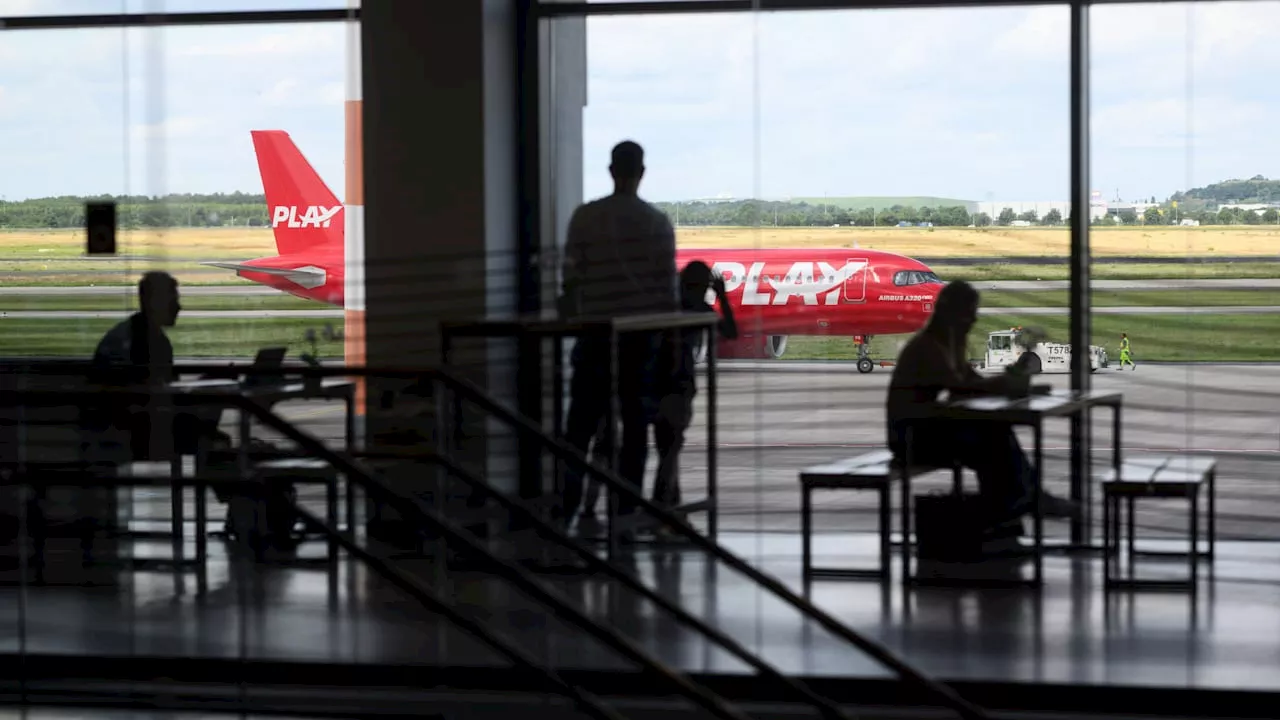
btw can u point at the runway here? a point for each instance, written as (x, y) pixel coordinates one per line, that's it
(774, 422)
(1141, 310)
(244, 289)
(1168, 284)
(251, 289)
(186, 314)
(319, 313)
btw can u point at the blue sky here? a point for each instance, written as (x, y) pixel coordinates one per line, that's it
(967, 103)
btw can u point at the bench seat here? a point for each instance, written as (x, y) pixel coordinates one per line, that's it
(873, 470)
(1167, 476)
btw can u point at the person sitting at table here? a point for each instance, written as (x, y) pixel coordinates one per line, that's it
(935, 360)
(136, 353)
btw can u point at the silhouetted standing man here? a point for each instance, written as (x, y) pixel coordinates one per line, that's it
(619, 260)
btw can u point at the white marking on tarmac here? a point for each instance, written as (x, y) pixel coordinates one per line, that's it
(121, 314)
(1006, 285)
(1153, 284)
(131, 290)
(1142, 310)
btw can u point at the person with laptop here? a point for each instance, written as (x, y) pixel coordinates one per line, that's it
(935, 360)
(137, 353)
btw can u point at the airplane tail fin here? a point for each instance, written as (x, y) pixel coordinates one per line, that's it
(303, 211)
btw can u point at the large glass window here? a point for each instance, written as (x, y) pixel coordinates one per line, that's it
(163, 122)
(942, 136)
(1184, 248)
(835, 167)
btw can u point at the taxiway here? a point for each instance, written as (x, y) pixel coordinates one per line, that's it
(247, 288)
(773, 422)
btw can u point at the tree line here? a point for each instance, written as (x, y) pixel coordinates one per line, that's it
(246, 210)
(135, 211)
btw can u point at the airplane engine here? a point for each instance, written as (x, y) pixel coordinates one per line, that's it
(759, 347)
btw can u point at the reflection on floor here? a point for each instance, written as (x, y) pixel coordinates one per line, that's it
(1069, 633)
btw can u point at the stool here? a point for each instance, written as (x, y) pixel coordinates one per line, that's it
(1160, 477)
(869, 471)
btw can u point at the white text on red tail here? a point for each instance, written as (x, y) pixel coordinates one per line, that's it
(311, 216)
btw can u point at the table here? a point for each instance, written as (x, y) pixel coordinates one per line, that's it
(1030, 411)
(208, 392)
(553, 326)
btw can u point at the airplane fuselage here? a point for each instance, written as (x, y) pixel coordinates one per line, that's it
(772, 291)
(822, 291)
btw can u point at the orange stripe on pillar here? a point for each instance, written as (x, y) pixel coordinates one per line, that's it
(353, 290)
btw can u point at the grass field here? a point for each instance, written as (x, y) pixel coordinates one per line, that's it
(243, 243)
(178, 243)
(997, 241)
(54, 257)
(1130, 271)
(97, 303)
(191, 338)
(1132, 298)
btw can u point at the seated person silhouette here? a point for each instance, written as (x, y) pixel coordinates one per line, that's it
(137, 354)
(935, 360)
(678, 376)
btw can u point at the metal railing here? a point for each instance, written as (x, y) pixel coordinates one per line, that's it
(511, 572)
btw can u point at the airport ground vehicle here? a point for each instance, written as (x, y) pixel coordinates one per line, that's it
(1005, 347)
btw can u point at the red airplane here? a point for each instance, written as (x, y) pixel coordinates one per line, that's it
(774, 293)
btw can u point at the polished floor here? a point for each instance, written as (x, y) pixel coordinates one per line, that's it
(1068, 633)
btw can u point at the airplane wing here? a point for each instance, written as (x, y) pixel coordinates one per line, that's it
(307, 277)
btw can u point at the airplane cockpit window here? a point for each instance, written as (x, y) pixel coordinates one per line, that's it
(914, 277)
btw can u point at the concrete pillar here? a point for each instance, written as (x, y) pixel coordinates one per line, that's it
(440, 225)
(563, 91)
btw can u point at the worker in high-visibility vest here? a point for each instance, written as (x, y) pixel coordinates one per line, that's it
(1125, 356)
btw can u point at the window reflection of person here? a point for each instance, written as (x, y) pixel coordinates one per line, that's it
(936, 360)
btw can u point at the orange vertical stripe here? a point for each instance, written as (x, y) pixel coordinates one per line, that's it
(355, 328)
(355, 152)
(355, 353)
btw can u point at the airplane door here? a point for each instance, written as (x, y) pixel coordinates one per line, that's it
(855, 286)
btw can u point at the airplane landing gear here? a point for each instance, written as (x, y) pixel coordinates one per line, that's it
(863, 343)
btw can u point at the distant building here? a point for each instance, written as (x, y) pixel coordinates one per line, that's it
(1117, 208)
(1246, 207)
(993, 208)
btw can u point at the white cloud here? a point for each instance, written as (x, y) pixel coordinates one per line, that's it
(956, 102)
(91, 111)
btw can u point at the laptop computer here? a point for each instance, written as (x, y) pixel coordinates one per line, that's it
(268, 358)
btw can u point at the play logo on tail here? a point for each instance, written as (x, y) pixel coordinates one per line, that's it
(304, 211)
(307, 220)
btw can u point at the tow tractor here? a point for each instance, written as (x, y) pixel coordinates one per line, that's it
(1005, 347)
